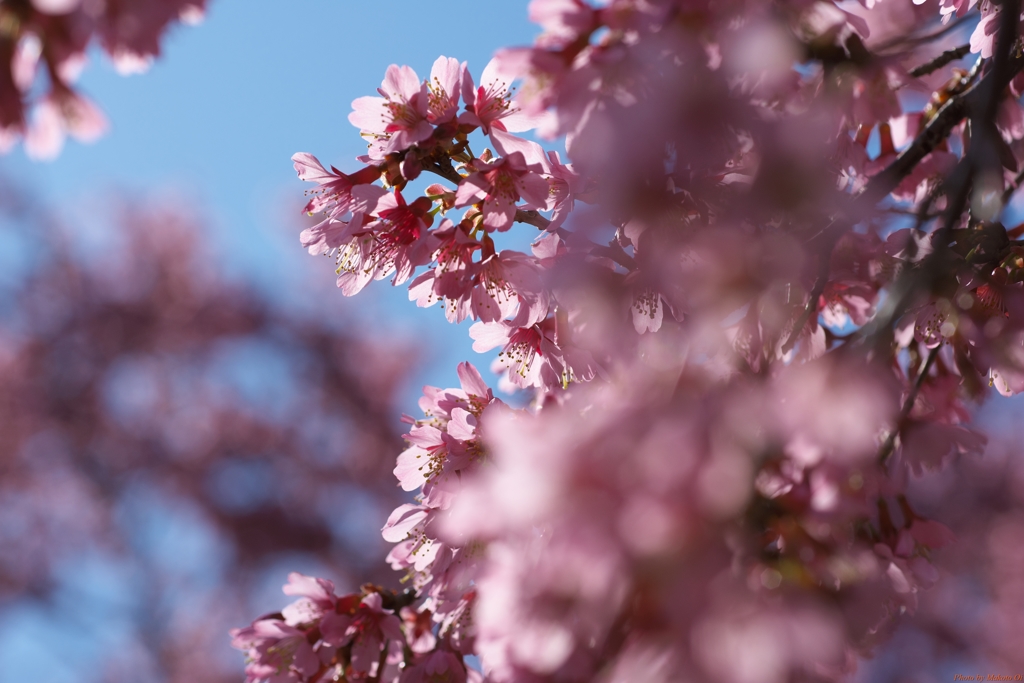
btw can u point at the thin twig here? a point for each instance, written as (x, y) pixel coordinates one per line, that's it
(532, 218)
(446, 172)
(941, 61)
(1008, 193)
(382, 660)
(908, 405)
(878, 332)
(916, 213)
(812, 301)
(616, 254)
(973, 98)
(938, 129)
(927, 38)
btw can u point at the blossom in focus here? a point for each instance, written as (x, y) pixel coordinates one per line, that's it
(277, 652)
(398, 119)
(317, 598)
(490, 104)
(367, 630)
(393, 238)
(333, 194)
(444, 87)
(439, 665)
(498, 185)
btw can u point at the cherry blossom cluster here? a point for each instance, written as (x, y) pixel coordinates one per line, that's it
(46, 41)
(765, 294)
(361, 636)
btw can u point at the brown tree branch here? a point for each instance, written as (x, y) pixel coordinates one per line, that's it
(980, 102)
(976, 98)
(941, 61)
(447, 172)
(908, 405)
(811, 307)
(532, 218)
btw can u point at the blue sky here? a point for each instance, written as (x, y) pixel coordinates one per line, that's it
(214, 123)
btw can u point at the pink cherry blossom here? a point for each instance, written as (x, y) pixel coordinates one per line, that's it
(317, 599)
(957, 7)
(444, 447)
(564, 188)
(399, 118)
(498, 185)
(439, 665)
(490, 104)
(750, 337)
(533, 355)
(394, 240)
(367, 631)
(473, 395)
(453, 278)
(542, 73)
(408, 526)
(334, 192)
(277, 652)
(521, 352)
(419, 627)
(59, 115)
(444, 87)
(501, 285)
(564, 21)
(433, 462)
(57, 35)
(983, 38)
(648, 311)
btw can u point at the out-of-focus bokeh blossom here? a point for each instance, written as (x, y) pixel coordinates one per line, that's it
(172, 444)
(47, 42)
